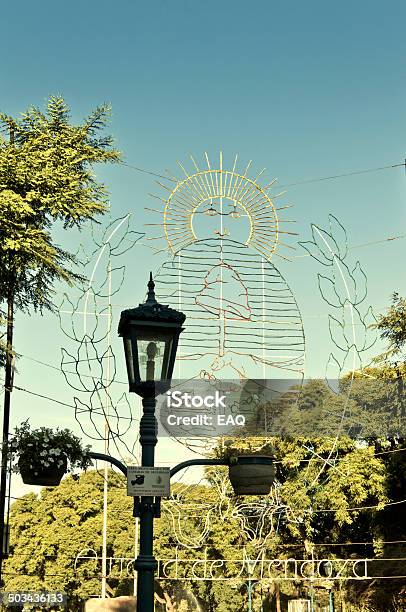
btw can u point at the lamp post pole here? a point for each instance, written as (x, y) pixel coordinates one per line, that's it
(147, 510)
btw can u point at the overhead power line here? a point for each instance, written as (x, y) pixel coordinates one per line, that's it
(357, 508)
(96, 410)
(328, 544)
(151, 172)
(344, 174)
(294, 183)
(360, 246)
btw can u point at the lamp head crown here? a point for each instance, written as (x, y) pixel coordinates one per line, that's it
(151, 311)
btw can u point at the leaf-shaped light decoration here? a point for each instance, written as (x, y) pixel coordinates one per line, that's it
(82, 408)
(314, 252)
(108, 358)
(325, 242)
(66, 312)
(351, 361)
(91, 316)
(360, 282)
(371, 334)
(343, 282)
(102, 408)
(113, 282)
(97, 410)
(337, 333)
(68, 363)
(117, 237)
(340, 236)
(344, 289)
(83, 372)
(333, 368)
(328, 291)
(108, 237)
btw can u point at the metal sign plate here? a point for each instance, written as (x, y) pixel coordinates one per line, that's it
(148, 481)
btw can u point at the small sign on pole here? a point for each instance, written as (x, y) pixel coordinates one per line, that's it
(148, 481)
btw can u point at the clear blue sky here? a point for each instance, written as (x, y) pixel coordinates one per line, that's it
(306, 89)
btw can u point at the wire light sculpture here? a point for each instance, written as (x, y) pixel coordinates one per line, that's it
(343, 287)
(89, 364)
(240, 310)
(222, 230)
(102, 409)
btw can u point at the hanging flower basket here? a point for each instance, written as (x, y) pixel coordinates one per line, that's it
(44, 476)
(42, 456)
(252, 474)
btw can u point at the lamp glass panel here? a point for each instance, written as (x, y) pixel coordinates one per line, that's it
(129, 357)
(151, 354)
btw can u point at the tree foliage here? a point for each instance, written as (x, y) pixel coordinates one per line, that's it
(392, 327)
(341, 498)
(46, 176)
(49, 531)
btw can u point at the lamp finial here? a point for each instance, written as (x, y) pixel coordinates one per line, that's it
(151, 290)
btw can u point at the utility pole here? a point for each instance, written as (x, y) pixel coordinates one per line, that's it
(8, 387)
(106, 443)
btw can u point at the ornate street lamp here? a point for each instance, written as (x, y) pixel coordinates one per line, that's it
(150, 334)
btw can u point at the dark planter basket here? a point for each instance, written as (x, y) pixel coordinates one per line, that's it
(46, 476)
(252, 475)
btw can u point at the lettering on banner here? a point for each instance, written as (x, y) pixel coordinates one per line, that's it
(231, 569)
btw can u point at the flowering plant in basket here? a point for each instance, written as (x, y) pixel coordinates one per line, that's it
(39, 452)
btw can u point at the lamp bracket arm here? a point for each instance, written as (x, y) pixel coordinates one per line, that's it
(190, 462)
(109, 459)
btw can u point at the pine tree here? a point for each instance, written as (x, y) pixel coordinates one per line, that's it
(46, 176)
